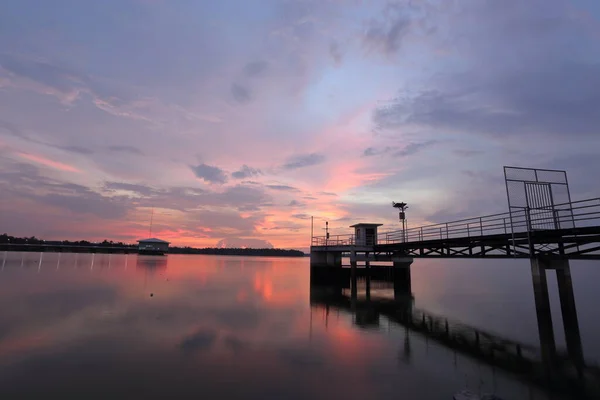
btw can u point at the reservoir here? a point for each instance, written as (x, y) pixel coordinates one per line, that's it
(183, 326)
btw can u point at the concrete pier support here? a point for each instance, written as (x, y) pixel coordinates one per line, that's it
(325, 259)
(569, 312)
(567, 306)
(368, 281)
(542, 308)
(353, 283)
(402, 280)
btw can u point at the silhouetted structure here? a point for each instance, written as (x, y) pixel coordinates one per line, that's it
(542, 224)
(153, 246)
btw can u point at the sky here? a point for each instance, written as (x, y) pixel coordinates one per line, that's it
(231, 123)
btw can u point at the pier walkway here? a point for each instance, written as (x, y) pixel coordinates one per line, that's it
(570, 230)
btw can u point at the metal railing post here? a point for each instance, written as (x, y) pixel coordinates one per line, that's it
(505, 231)
(447, 237)
(481, 226)
(468, 232)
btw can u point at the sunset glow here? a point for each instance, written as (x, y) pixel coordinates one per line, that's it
(237, 128)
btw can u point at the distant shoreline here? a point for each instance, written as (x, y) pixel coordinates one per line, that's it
(111, 248)
(45, 248)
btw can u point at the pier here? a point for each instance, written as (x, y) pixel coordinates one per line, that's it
(542, 224)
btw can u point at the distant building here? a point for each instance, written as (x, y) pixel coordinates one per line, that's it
(153, 246)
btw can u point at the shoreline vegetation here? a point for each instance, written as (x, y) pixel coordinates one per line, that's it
(11, 243)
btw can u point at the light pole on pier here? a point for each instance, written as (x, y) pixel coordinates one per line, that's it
(326, 232)
(402, 216)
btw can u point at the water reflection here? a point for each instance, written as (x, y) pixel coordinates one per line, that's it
(562, 372)
(79, 325)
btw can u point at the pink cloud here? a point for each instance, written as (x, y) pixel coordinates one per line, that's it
(48, 162)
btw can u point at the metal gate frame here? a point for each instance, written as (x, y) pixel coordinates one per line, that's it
(540, 191)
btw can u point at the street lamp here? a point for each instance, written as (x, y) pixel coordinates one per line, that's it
(402, 216)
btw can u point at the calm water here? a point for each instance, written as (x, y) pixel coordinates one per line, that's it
(233, 327)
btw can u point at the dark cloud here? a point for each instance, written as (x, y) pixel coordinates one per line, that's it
(241, 93)
(301, 216)
(413, 148)
(76, 149)
(256, 68)
(11, 128)
(17, 132)
(246, 172)
(241, 195)
(209, 173)
(61, 79)
(526, 70)
(84, 201)
(283, 188)
(335, 53)
(25, 181)
(326, 194)
(66, 83)
(386, 34)
(372, 151)
(296, 203)
(125, 149)
(302, 161)
(554, 101)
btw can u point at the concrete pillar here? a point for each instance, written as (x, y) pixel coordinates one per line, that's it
(368, 280)
(325, 259)
(353, 288)
(318, 258)
(569, 311)
(402, 281)
(334, 259)
(542, 308)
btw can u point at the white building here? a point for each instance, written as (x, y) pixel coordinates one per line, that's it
(365, 234)
(153, 246)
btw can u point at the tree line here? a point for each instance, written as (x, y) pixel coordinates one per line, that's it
(8, 240)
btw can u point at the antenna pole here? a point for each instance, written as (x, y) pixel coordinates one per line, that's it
(311, 229)
(151, 218)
